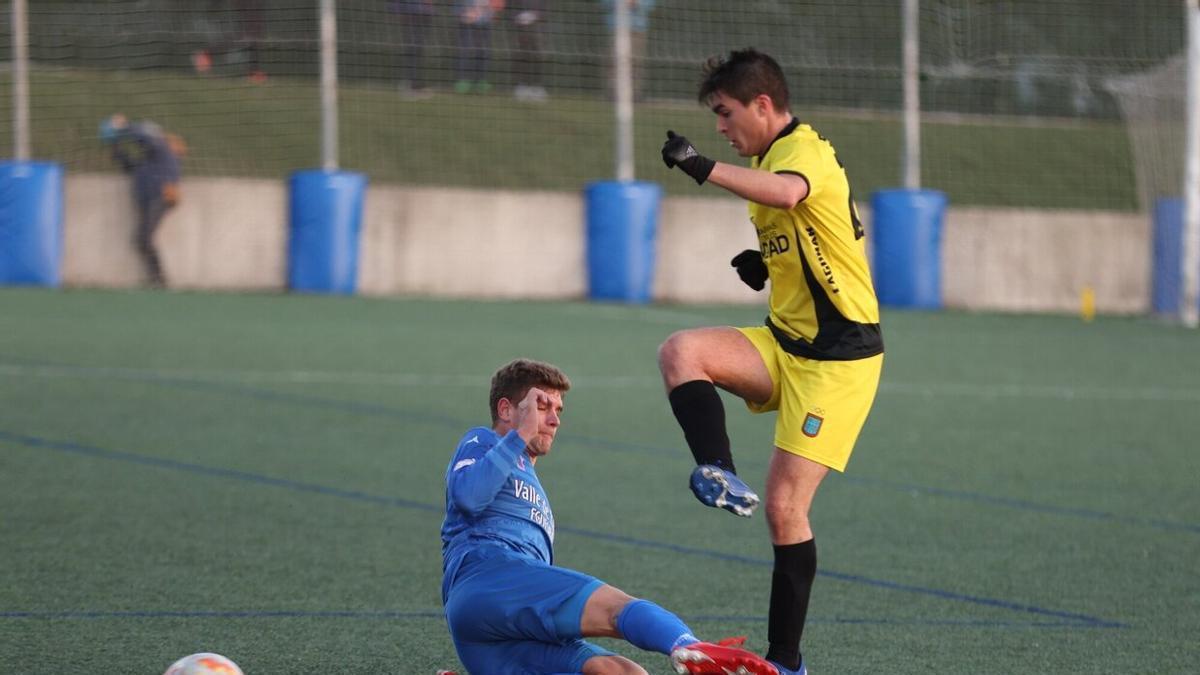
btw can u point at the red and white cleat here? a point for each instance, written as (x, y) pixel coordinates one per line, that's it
(724, 658)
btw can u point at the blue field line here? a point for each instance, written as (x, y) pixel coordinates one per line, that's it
(145, 460)
(224, 614)
(395, 615)
(851, 578)
(92, 451)
(458, 425)
(964, 623)
(1022, 504)
(455, 424)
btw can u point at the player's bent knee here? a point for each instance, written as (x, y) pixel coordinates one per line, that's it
(612, 665)
(681, 349)
(669, 351)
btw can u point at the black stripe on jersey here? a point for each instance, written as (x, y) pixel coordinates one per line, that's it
(807, 182)
(786, 130)
(838, 338)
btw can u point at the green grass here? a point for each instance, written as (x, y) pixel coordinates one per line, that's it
(261, 476)
(491, 141)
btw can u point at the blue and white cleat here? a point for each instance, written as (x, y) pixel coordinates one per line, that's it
(786, 671)
(719, 488)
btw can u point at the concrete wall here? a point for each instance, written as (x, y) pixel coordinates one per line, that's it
(226, 234)
(232, 234)
(1041, 261)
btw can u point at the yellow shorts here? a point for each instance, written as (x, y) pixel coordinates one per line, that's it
(822, 404)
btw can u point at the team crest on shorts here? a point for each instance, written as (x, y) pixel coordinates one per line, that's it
(812, 425)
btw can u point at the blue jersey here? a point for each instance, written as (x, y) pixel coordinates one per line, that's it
(493, 497)
(153, 166)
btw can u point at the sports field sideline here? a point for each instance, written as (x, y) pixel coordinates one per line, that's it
(262, 476)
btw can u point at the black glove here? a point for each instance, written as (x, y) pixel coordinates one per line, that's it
(751, 268)
(680, 151)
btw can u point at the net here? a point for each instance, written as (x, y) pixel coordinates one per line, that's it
(1015, 99)
(195, 68)
(1153, 103)
(1017, 110)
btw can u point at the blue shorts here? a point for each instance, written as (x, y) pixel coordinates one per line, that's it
(510, 615)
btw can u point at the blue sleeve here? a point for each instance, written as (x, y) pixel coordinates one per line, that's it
(151, 138)
(139, 133)
(478, 474)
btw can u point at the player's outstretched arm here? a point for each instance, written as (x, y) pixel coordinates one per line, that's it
(779, 190)
(782, 191)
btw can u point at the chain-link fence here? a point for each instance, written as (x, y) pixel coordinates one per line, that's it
(1016, 111)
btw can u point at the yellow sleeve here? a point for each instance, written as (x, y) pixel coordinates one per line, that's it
(801, 157)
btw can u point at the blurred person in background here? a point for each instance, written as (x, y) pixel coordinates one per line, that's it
(240, 27)
(528, 16)
(475, 44)
(151, 157)
(416, 23)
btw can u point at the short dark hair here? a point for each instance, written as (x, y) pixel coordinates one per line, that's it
(743, 75)
(516, 378)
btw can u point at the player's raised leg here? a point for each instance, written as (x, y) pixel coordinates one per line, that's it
(694, 363)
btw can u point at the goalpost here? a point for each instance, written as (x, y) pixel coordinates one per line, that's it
(1161, 108)
(1191, 187)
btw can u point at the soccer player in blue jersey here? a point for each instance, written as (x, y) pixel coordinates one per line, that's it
(509, 608)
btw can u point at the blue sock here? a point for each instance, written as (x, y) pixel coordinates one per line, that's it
(647, 626)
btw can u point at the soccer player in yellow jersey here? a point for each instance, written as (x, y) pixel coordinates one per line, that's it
(817, 359)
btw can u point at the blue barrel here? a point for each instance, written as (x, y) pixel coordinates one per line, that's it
(907, 232)
(325, 210)
(31, 214)
(1166, 282)
(622, 224)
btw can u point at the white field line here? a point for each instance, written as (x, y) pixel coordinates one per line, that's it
(657, 315)
(887, 388)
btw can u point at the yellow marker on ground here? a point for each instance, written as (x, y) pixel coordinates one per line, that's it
(1087, 303)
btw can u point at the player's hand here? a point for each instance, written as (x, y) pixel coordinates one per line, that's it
(751, 268)
(530, 413)
(679, 151)
(170, 194)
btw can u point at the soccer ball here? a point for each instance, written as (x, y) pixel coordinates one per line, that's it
(204, 664)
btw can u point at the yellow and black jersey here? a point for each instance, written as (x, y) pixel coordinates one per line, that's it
(822, 303)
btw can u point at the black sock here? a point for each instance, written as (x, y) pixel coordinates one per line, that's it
(698, 407)
(791, 584)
